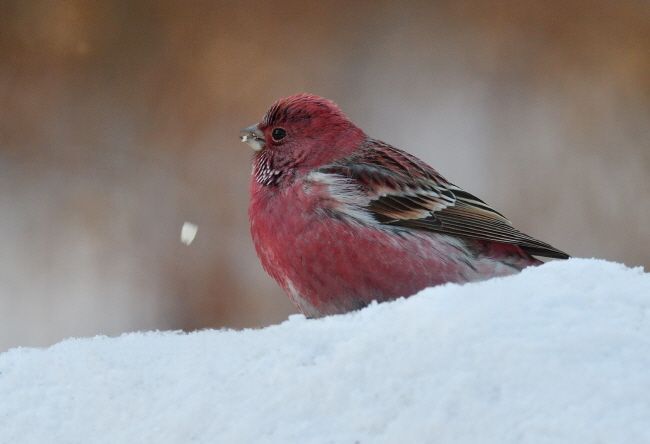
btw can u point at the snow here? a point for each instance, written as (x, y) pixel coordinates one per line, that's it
(558, 353)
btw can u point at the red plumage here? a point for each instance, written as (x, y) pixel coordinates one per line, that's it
(339, 219)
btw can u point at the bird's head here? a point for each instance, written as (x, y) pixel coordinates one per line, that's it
(299, 133)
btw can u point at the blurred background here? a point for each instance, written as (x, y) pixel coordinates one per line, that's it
(119, 121)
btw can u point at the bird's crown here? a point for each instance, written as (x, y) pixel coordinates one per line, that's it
(299, 107)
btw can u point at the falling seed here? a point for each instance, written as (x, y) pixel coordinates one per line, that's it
(188, 232)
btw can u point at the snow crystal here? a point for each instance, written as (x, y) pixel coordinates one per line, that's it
(557, 353)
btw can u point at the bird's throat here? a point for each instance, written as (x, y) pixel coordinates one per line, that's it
(263, 170)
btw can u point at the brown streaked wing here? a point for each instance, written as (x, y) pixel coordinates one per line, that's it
(407, 192)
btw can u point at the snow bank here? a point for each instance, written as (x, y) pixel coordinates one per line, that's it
(559, 353)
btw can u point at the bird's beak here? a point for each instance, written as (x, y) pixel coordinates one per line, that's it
(253, 137)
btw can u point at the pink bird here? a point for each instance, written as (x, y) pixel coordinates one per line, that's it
(340, 219)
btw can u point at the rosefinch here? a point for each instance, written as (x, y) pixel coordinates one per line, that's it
(340, 219)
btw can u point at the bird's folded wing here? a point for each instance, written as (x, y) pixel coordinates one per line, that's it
(400, 190)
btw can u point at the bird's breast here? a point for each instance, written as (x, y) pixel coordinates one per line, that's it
(330, 264)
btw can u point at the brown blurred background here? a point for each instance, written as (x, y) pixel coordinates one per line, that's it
(119, 121)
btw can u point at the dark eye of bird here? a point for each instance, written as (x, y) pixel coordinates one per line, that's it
(278, 134)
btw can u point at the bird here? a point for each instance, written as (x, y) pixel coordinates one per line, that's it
(339, 219)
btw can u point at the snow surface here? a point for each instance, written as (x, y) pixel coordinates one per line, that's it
(558, 353)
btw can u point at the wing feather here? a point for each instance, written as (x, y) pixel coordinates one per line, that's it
(404, 191)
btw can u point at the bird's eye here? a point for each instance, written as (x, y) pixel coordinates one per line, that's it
(278, 134)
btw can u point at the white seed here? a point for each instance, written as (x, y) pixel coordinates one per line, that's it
(188, 232)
